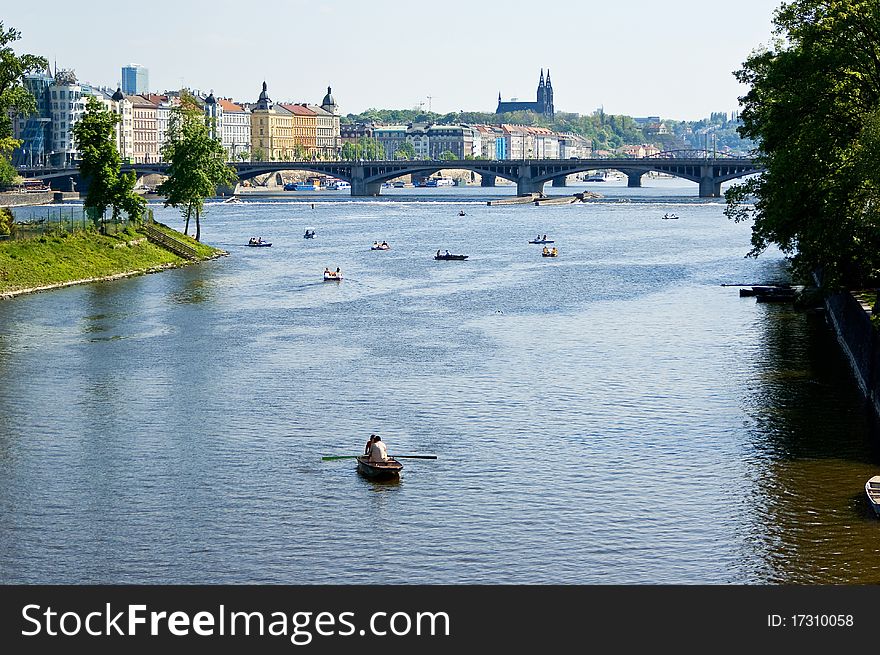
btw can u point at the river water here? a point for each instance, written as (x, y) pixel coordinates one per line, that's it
(614, 415)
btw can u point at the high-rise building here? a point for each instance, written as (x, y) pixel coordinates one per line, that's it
(135, 80)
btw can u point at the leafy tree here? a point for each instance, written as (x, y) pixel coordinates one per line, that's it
(300, 152)
(100, 165)
(447, 155)
(371, 149)
(406, 150)
(814, 110)
(350, 151)
(7, 221)
(8, 174)
(197, 162)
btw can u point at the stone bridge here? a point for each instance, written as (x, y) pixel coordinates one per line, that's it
(530, 175)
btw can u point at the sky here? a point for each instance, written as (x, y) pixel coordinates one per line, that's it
(668, 58)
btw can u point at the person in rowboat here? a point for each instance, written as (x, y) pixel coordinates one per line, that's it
(369, 444)
(378, 452)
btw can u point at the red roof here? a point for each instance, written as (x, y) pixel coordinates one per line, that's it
(299, 110)
(228, 105)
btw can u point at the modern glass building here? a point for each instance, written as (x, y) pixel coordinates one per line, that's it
(135, 80)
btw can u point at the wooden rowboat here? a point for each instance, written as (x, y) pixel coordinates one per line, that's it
(872, 488)
(379, 470)
(450, 258)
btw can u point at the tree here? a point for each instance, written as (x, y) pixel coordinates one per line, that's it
(406, 150)
(447, 155)
(100, 165)
(197, 162)
(818, 138)
(371, 149)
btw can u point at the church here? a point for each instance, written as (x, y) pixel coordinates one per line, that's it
(543, 105)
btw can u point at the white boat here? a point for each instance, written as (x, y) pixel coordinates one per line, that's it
(872, 488)
(439, 181)
(234, 200)
(338, 185)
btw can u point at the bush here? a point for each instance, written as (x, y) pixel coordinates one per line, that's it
(7, 221)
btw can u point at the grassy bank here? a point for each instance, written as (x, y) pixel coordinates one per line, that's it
(59, 258)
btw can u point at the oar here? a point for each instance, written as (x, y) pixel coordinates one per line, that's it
(330, 457)
(414, 456)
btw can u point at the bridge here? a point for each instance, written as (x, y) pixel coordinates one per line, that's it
(530, 175)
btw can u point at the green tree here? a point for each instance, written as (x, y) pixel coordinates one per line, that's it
(197, 162)
(371, 149)
(8, 174)
(406, 150)
(814, 111)
(100, 165)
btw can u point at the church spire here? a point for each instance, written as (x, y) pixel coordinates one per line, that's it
(548, 77)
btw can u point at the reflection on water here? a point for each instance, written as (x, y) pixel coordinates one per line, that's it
(613, 416)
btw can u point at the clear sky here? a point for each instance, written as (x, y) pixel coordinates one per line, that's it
(668, 58)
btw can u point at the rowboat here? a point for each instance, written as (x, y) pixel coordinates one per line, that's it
(332, 277)
(390, 468)
(540, 241)
(457, 258)
(872, 488)
(259, 244)
(310, 234)
(549, 254)
(380, 247)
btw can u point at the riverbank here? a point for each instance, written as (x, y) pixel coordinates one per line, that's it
(62, 259)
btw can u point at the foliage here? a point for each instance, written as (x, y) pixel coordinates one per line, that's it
(7, 221)
(406, 150)
(365, 149)
(197, 162)
(818, 139)
(100, 165)
(447, 155)
(8, 174)
(14, 98)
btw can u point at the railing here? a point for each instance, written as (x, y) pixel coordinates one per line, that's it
(160, 238)
(33, 222)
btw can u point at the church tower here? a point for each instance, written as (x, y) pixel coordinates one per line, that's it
(548, 97)
(541, 90)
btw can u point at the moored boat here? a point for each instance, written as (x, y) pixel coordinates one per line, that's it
(872, 488)
(390, 468)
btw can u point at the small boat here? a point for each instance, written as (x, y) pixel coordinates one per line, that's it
(461, 213)
(332, 276)
(380, 246)
(540, 241)
(457, 258)
(670, 217)
(872, 488)
(550, 253)
(258, 243)
(390, 468)
(234, 200)
(310, 234)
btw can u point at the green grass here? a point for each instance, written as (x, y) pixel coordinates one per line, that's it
(60, 257)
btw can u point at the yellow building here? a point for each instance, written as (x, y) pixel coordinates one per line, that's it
(305, 129)
(272, 131)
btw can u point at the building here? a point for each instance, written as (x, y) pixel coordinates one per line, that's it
(305, 130)
(542, 105)
(457, 139)
(391, 137)
(271, 130)
(574, 146)
(354, 132)
(135, 80)
(328, 130)
(236, 132)
(120, 105)
(164, 105)
(145, 130)
(34, 131)
(66, 107)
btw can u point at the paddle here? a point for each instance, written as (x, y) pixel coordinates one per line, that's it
(331, 457)
(414, 456)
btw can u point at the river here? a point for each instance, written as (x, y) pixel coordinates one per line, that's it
(614, 415)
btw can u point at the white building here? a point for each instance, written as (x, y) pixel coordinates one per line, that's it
(66, 107)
